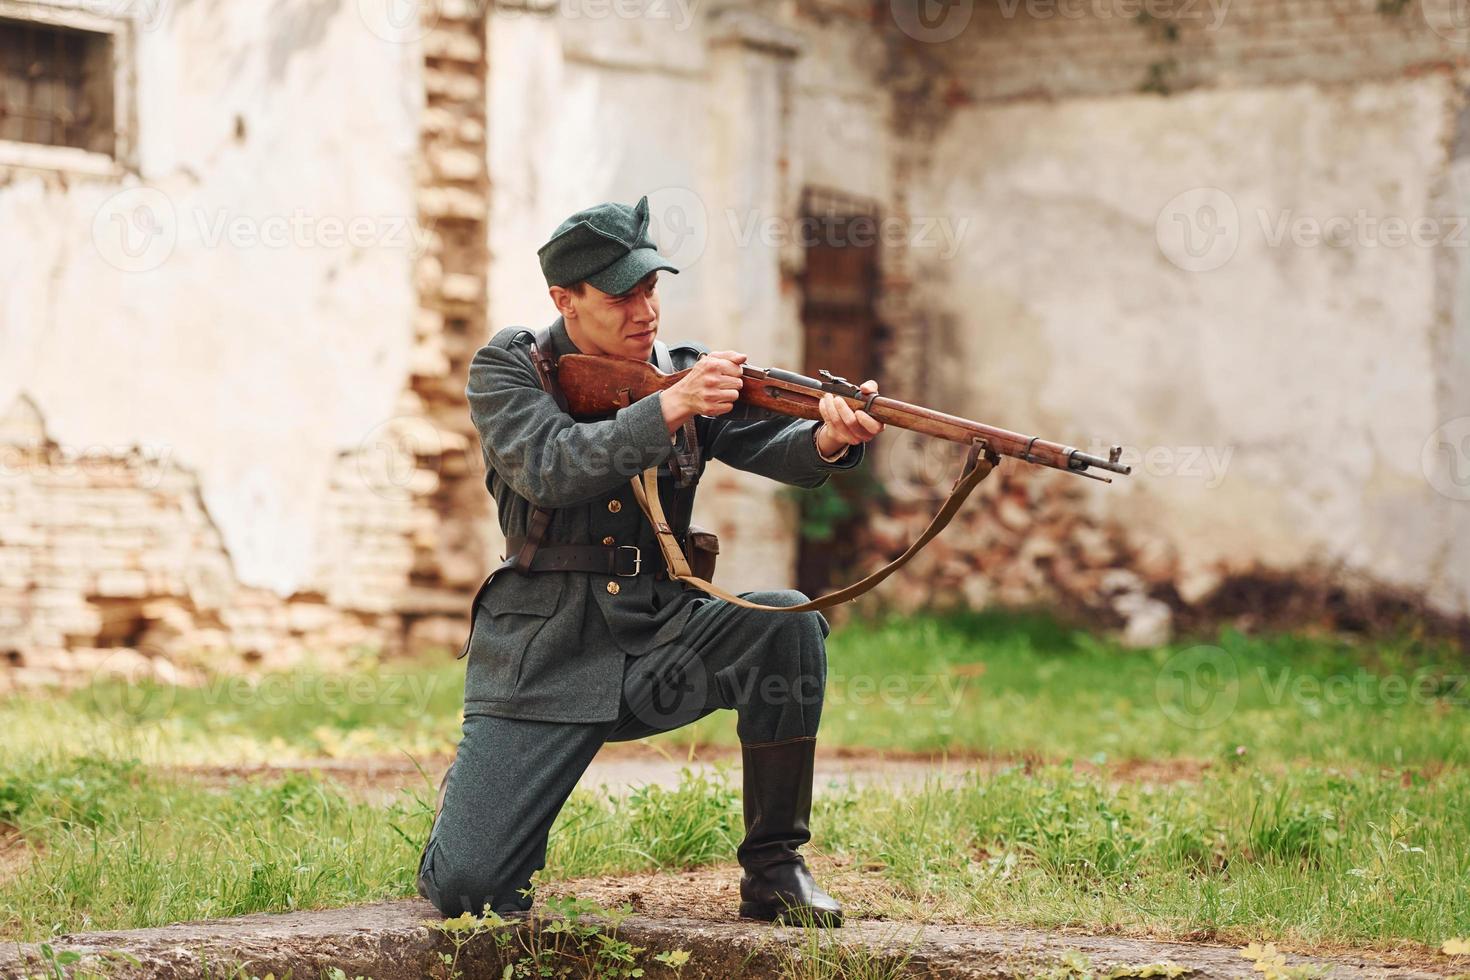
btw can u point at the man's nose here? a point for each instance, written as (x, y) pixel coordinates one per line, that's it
(643, 310)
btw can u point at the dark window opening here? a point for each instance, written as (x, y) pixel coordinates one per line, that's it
(56, 86)
(840, 288)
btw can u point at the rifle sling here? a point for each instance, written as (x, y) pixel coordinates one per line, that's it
(978, 465)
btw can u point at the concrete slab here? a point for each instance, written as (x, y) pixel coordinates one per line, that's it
(398, 941)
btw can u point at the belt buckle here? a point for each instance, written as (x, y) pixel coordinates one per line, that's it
(637, 560)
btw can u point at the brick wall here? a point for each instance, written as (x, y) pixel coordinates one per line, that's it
(1016, 49)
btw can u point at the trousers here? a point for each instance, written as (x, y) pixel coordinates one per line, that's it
(511, 777)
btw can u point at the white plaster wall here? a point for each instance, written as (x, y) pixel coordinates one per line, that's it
(250, 363)
(1309, 371)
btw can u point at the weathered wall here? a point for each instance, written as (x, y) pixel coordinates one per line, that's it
(1254, 286)
(1063, 253)
(248, 306)
(243, 308)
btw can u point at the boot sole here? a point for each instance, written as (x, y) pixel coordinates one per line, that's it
(784, 915)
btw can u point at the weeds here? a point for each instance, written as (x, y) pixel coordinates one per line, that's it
(565, 943)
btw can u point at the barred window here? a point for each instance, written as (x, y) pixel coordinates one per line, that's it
(56, 86)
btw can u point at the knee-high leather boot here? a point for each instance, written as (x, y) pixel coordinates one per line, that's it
(776, 885)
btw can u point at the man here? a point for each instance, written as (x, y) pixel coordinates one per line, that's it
(588, 640)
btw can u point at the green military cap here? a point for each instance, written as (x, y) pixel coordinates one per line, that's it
(606, 245)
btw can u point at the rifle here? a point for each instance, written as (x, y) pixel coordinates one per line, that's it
(596, 386)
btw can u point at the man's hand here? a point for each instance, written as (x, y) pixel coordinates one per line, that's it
(843, 426)
(710, 388)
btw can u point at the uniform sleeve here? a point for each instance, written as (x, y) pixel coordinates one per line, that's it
(541, 453)
(781, 449)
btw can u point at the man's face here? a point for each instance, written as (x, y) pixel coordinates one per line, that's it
(599, 323)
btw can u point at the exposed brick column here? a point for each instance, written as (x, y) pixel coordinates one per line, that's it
(454, 204)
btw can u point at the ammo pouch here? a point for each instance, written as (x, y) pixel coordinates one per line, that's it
(702, 547)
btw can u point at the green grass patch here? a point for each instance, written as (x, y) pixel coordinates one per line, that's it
(1336, 810)
(996, 684)
(116, 846)
(1013, 685)
(1308, 856)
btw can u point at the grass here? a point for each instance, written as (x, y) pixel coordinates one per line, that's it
(1308, 856)
(1361, 839)
(120, 847)
(992, 684)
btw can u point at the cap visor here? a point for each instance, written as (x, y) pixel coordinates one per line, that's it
(625, 273)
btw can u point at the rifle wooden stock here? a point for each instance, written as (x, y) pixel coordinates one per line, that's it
(597, 386)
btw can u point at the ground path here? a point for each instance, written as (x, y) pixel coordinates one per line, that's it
(398, 941)
(622, 766)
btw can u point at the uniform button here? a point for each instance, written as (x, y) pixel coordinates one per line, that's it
(613, 506)
(613, 588)
(609, 541)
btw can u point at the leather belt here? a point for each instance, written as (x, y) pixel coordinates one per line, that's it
(622, 560)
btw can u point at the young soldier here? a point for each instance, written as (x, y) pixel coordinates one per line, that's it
(580, 637)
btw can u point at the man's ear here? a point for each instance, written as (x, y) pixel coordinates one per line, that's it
(561, 298)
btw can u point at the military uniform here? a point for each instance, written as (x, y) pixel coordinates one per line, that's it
(560, 662)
